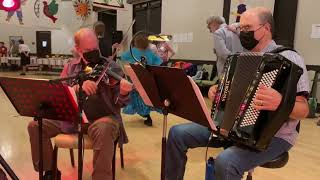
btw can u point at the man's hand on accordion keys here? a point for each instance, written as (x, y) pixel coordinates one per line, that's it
(212, 92)
(267, 99)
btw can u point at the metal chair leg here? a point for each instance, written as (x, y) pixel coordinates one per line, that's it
(72, 158)
(114, 160)
(121, 157)
(55, 162)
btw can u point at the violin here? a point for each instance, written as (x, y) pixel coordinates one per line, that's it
(102, 72)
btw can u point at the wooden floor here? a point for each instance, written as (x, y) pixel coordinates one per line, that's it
(142, 154)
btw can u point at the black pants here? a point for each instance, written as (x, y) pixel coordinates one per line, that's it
(25, 60)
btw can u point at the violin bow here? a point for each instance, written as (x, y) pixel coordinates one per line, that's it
(125, 37)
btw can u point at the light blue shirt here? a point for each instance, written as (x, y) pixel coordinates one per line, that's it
(151, 58)
(225, 43)
(288, 130)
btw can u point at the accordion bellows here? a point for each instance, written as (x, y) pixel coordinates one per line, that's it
(232, 109)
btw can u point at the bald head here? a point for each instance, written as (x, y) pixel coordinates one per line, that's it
(85, 40)
(99, 28)
(259, 15)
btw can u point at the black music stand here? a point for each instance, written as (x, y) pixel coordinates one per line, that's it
(171, 90)
(40, 99)
(8, 169)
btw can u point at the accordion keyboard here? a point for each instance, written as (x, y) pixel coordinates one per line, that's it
(251, 115)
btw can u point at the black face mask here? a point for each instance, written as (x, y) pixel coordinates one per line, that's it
(93, 56)
(247, 40)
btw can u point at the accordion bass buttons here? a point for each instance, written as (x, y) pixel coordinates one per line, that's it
(280, 57)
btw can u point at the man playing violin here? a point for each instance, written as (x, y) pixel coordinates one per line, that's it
(105, 120)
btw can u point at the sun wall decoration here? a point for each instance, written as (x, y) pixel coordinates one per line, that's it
(82, 8)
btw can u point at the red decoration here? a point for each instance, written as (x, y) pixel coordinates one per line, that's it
(9, 5)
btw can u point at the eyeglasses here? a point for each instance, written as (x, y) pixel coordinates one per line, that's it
(248, 27)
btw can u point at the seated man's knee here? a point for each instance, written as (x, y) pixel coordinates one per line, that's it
(227, 161)
(103, 130)
(176, 132)
(221, 162)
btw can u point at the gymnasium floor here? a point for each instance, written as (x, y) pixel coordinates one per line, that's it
(142, 154)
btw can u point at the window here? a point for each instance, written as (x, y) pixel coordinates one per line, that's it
(148, 17)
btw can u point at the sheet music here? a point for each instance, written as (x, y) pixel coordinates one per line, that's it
(138, 86)
(202, 103)
(73, 94)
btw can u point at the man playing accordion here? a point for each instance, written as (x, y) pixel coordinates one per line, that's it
(256, 27)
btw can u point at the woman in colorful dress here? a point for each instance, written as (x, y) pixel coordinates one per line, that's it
(164, 51)
(140, 49)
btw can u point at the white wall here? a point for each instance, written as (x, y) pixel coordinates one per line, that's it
(308, 14)
(309, 48)
(189, 16)
(61, 31)
(184, 16)
(124, 19)
(178, 16)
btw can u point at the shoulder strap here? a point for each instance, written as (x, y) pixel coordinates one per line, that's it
(281, 49)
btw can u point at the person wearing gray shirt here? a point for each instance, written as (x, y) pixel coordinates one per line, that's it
(225, 41)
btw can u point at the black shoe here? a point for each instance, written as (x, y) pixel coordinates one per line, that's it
(49, 175)
(148, 122)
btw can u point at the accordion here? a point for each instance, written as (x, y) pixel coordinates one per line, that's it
(232, 110)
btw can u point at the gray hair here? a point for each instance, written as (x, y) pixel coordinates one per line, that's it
(216, 19)
(265, 16)
(98, 23)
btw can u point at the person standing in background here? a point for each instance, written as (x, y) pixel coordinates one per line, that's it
(3, 50)
(13, 48)
(106, 47)
(225, 41)
(24, 52)
(163, 50)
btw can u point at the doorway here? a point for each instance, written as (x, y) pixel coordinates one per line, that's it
(43, 39)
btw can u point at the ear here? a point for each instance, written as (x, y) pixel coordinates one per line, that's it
(76, 47)
(268, 27)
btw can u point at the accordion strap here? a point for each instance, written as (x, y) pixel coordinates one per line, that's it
(281, 49)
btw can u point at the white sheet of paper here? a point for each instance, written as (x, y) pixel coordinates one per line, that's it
(190, 37)
(175, 38)
(315, 34)
(185, 37)
(202, 103)
(179, 38)
(137, 85)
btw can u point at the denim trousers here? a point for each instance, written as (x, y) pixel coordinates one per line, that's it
(230, 164)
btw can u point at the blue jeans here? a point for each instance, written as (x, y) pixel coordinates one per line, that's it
(19, 14)
(229, 165)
